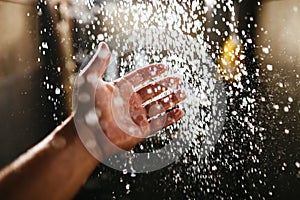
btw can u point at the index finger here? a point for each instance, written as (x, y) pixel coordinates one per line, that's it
(144, 74)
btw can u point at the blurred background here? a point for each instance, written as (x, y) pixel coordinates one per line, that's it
(255, 46)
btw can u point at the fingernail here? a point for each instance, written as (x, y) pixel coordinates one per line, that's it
(181, 94)
(103, 51)
(165, 67)
(162, 67)
(103, 45)
(178, 113)
(180, 82)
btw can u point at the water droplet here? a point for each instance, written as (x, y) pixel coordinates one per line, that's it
(45, 45)
(295, 8)
(57, 91)
(100, 37)
(91, 118)
(265, 50)
(276, 107)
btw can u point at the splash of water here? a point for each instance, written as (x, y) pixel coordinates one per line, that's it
(187, 37)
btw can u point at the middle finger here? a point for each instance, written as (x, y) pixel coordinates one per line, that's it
(154, 89)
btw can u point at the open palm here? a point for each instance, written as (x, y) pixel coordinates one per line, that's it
(125, 114)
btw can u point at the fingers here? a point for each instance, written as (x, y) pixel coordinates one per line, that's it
(161, 105)
(154, 89)
(144, 74)
(166, 120)
(137, 111)
(99, 62)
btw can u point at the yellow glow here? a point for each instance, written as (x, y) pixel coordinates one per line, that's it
(230, 63)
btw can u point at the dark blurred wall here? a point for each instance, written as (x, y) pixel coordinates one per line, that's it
(26, 112)
(20, 116)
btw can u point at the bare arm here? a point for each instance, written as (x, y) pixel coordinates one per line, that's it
(53, 169)
(57, 166)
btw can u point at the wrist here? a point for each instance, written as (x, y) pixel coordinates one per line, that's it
(66, 137)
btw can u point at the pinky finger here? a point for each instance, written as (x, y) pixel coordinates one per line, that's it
(166, 120)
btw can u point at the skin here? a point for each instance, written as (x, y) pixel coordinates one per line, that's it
(50, 170)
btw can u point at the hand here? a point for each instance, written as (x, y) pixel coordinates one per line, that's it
(126, 115)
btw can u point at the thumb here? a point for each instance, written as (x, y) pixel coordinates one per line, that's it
(99, 61)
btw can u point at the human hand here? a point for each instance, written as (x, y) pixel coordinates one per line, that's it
(126, 115)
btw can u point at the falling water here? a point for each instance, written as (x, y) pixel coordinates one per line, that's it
(201, 43)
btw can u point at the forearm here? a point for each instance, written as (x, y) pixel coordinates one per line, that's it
(53, 169)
